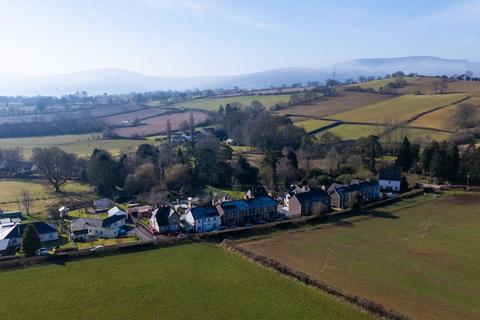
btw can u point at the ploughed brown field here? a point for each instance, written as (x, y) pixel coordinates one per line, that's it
(131, 116)
(97, 112)
(420, 256)
(332, 105)
(157, 125)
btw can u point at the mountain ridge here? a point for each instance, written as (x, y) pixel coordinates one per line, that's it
(117, 80)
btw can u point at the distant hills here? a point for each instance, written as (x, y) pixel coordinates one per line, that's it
(116, 81)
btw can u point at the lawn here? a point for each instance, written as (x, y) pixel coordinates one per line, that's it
(196, 281)
(10, 190)
(105, 242)
(312, 124)
(355, 131)
(81, 144)
(402, 108)
(420, 256)
(332, 105)
(212, 104)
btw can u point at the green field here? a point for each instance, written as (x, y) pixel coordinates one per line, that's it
(186, 282)
(377, 84)
(399, 109)
(422, 135)
(444, 118)
(212, 104)
(355, 131)
(11, 189)
(82, 144)
(312, 124)
(420, 256)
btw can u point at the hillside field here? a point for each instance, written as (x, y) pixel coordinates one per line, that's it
(443, 118)
(312, 124)
(402, 108)
(194, 281)
(157, 125)
(420, 256)
(212, 104)
(81, 144)
(355, 131)
(422, 135)
(342, 102)
(96, 112)
(424, 85)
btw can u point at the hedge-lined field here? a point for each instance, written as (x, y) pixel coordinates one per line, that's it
(420, 256)
(445, 117)
(185, 282)
(342, 102)
(312, 124)
(355, 131)
(11, 190)
(80, 144)
(212, 104)
(399, 109)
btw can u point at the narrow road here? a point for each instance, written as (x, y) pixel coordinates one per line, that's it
(142, 232)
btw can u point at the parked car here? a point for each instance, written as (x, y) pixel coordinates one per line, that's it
(153, 231)
(43, 252)
(96, 248)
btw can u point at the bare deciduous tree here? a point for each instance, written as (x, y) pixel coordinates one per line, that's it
(25, 201)
(466, 116)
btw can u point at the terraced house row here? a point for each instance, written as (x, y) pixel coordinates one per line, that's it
(254, 210)
(214, 216)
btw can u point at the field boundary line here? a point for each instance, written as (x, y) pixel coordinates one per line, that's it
(363, 303)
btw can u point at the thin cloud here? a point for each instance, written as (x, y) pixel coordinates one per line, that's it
(204, 9)
(462, 11)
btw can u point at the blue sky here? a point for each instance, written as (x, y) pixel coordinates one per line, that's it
(201, 37)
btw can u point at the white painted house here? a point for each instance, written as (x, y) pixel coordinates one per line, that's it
(83, 228)
(201, 219)
(390, 179)
(46, 232)
(165, 220)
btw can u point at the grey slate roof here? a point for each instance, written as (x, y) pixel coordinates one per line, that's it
(355, 185)
(392, 174)
(258, 202)
(262, 201)
(161, 215)
(312, 195)
(204, 212)
(12, 215)
(111, 220)
(40, 226)
(84, 223)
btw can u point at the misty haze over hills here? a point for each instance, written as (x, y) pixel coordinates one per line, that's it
(115, 81)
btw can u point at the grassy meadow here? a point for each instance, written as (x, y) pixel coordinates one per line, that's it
(402, 108)
(443, 118)
(194, 281)
(81, 144)
(355, 131)
(342, 102)
(422, 135)
(420, 256)
(312, 124)
(11, 189)
(212, 104)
